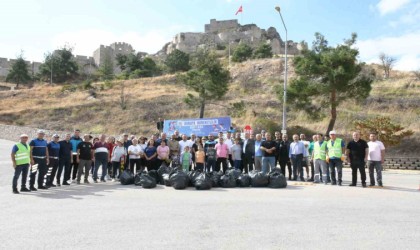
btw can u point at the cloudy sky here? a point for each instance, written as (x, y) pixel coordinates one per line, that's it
(39, 26)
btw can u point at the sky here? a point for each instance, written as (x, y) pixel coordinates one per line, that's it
(39, 26)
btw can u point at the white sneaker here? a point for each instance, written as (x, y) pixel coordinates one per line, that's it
(113, 180)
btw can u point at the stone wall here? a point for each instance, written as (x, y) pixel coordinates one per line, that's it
(218, 26)
(112, 51)
(6, 64)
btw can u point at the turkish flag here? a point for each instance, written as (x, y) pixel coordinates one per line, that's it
(239, 10)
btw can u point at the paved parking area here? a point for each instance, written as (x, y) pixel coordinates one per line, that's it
(302, 216)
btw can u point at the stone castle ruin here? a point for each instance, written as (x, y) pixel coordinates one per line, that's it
(217, 35)
(221, 34)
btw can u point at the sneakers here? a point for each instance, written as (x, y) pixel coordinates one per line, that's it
(95, 181)
(78, 182)
(15, 191)
(113, 180)
(33, 188)
(86, 182)
(65, 183)
(103, 180)
(24, 189)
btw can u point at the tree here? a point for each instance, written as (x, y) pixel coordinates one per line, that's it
(208, 79)
(18, 72)
(387, 63)
(326, 76)
(417, 74)
(106, 71)
(388, 132)
(263, 51)
(242, 53)
(61, 63)
(178, 61)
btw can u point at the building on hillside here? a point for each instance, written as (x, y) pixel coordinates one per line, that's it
(112, 51)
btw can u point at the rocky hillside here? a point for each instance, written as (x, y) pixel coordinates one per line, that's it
(99, 109)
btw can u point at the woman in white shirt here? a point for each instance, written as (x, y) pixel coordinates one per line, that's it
(135, 152)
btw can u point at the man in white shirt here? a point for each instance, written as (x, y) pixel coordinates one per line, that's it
(184, 142)
(135, 152)
(305, 161)
(230, 143)
(376, 157)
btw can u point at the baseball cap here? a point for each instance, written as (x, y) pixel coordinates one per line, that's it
(332, 132)
(24, 135)
(55, 135)
(40, 131)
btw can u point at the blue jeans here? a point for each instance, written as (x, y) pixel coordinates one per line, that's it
(237, 164)
(100, 160)
(336, 163)
(270, 160)
(20, 169)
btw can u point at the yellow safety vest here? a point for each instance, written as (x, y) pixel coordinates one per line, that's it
(320, 150)
(336, 150)
(22, 156)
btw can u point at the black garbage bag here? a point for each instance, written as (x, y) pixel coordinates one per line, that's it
(258, 179)
(127, 178)
(277, 180)
(166, 180)
(164, 169)
(243, 180)
(193, 175)
(137, 178)
(147, 181)
(179, 180)
(228, 181)
(215, 178)
(154, 174)
(234, 172)
(203, 182)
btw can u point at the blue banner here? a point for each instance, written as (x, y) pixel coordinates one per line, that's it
(200, 127)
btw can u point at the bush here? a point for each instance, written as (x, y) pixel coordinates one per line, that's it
(178, 61)
(242, 53)
(69, 88)
(263, 51)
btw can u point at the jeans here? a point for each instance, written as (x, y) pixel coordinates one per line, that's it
(258, 163)
(75, 167)
(64, 163)
(211, 164)
(20, 169)
(199, 166)
(320, 166)
(116, 165)
(336, 163)
(86, 165)
(269, 160)
(237, 164)
(42, 169)
(357, 165)
(297, 166)
(138, 165)
(372, 166)
(100, 160)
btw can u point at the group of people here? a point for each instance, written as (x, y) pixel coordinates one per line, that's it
(78, 157)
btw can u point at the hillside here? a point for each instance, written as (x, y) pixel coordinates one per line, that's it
(99, 110)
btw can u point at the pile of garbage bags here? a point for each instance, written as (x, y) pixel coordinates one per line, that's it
(179, 179)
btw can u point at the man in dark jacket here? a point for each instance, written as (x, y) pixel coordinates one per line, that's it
(248, 152)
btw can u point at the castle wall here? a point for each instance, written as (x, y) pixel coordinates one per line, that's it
(217, 26)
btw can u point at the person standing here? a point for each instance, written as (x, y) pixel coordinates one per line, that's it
(54, 154)
(39, 155)
(230, 142)
(127, 143)
(222, 153)
(135, 152)
(248, 152)
(268, 148)
(258, 153)
(186, 159)
(311, 159)
(305, 161)
(319, 156)
(357, 152)
(118, 157)
(21, 158)
(75, 140)
(65, 159)
(335, 157)
(110, 145)
(376, 157)
(159, 125)
(101, 158)
(162, 153)
(296, 153)
(150, 154)
(200, 158)
(211, 159)
(283, 156)
(236, 152)
(84, 158)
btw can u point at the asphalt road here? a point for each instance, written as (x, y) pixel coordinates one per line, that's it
(112, 216)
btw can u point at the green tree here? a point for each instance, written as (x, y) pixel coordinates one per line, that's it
(388, 132)
(263, 51)
(326, 76)
(178, 61)
(208, 79)
(242, 53)
(62, 64)
(18, 72)
(106, 70)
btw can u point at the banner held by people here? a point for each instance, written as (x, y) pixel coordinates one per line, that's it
(200, 127)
